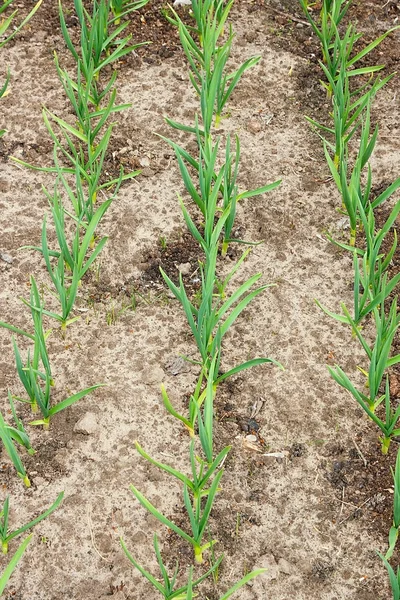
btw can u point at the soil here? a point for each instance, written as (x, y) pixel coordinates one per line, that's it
(315, 513)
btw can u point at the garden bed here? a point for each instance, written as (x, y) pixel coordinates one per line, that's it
(315, 514)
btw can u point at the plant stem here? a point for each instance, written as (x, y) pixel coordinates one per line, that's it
(385, 444)
(198, 555)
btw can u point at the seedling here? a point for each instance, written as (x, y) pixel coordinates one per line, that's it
(120, 8)
(167, 588)
(394, 530)
(369, 405)
(39, 335)
(394, 577)
(371, 284)
(43, 398)
(5, 24)
(8, 571)
(99, 45)
(331, 15)
(198, 517)
(208, 57)
(6, 536)
(232, 590)
(214, 317)
(203, 191)
(67, 265)
(337, 50)
(19, 433)
(7, 437)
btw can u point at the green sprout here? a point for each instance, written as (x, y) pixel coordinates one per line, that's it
(6, 536)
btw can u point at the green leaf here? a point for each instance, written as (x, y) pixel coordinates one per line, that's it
(159, 516)
(247, 365)
(17, 330)
(72, 399)
(8, 571)
(145, 573)
(164, 467)
(34, 522)
(242, 582)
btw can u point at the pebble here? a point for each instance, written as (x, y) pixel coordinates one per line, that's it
(152, 375)
(144, 161)
(104, 543)
(185, 268)
(285, 567)
(7, 258)
(254, 126)
(138, 538)
(147, 172)
(251, 438)
(266, 561)
(87, 425)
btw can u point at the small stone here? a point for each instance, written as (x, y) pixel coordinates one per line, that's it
(147, 172)
(394, 385)
(299, 26)
(251, 438)
(261, 584)
(285, 567)
(139, 537)
(7, 258)
(87, 425)
(185, 268)
(152, 375)
(254, 126)
(4, 185)
(144, 161)
(119, 516)
(104, 543)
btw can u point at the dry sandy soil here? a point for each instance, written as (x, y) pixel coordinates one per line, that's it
(315, 518)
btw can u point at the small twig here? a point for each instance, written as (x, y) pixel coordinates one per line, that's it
(167, 455)
(289, 17)
(347, 503)
(360, 454)
(352, 513)
(342, 503)
(90, 523)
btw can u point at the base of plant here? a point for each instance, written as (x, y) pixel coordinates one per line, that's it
(25, 479)
(385, 441)
(44, 422)
(198, 556)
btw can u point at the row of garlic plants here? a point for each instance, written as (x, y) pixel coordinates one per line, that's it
(9, 434)
(210, 178)
(349, 141)
(8, 30)
(75, 209)
(79, 153)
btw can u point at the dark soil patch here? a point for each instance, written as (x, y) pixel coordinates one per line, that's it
(362, 475)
